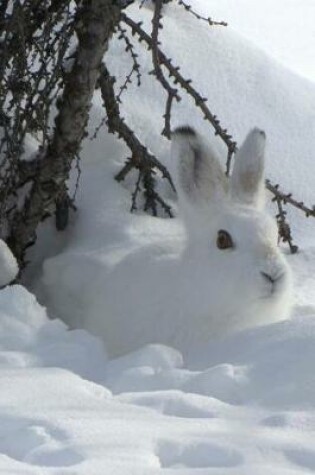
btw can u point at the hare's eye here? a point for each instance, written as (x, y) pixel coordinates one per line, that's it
(224, 240)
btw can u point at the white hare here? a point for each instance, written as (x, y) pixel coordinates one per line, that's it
(227, 273)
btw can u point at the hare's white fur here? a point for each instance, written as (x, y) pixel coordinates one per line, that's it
(250, 283)
(187, 291)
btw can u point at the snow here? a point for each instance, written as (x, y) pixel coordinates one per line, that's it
(273, 27)
(8, 265)
(66, 409)
(239, 406)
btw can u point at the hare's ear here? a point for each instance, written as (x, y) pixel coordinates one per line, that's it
(199, 176)
(247, 180)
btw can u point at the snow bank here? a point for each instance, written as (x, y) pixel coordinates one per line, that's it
(8, 265)
(243, 407)
(29, 339)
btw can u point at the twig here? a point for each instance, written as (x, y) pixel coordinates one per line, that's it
(288, 198)
(172, 93)
(284, 230)
(135, 63)
(208, 20)
(135, 69)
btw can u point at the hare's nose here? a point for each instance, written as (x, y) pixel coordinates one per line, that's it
(268, 277)
(272, 279)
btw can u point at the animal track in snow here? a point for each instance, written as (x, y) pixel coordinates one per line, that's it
(198, 454)
(34, 443)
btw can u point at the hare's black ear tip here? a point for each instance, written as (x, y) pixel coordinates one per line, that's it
(184, 130)
(259, 132)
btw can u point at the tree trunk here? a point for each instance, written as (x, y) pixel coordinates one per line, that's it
(95, 23)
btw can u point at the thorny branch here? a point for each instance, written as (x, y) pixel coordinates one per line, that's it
(172, 93)
(135, 63)
(284, 231)
(208, 20)
(184, 83)
(159, 59)
(135, 69)
(141, 158)
(287, 198)
(281, 199)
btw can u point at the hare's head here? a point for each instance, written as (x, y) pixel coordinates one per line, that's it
(232, 242)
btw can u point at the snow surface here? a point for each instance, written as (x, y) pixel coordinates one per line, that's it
(284, 29)
(241, 406)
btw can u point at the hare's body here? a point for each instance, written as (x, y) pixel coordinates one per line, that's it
(224, 275)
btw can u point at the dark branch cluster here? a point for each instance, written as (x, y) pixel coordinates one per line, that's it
(34, 77)
(34, 40)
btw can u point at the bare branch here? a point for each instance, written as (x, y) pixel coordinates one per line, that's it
(284, 230)
(172, 93)
(288, 198)
(184, 83)
(141, 158)
(135, 63)
(208, 20)
(279, 197)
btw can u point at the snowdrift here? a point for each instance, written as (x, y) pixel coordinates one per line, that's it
(243, 407)
(244, 88)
